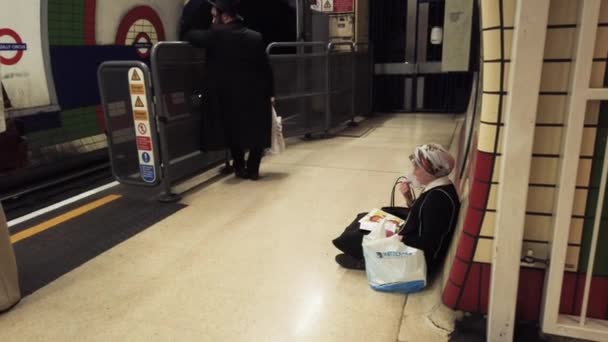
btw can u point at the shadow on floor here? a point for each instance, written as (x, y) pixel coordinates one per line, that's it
(473, 329)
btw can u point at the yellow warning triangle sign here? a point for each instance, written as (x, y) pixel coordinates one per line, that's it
(139, 103)
(135, 76)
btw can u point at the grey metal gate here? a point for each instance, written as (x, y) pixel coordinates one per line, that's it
(134, 156)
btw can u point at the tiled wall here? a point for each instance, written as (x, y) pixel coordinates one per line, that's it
(469, 276)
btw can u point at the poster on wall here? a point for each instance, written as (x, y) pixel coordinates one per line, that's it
(333, 6)
(343, 6)
(25, 76)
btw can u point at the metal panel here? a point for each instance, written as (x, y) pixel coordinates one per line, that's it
(408, 68)
(362, 21)
(430, 68)
(458, 24)
(179, 74)
(303, 104)
(407, 100)
(363, 75)
(395, 69)
(120, 124)
(420, 92)
(341, 86)
(410, 37)
(423, 31)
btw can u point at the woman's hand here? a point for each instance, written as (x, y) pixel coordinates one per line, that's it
(406, 191)
(404, 188)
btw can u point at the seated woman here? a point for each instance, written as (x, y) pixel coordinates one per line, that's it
(431, 219)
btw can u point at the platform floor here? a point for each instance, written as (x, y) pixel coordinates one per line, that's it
(245, 261)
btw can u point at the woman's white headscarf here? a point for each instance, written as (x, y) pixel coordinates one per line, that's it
(434, 159)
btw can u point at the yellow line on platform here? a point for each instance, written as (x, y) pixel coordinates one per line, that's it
(63, 218)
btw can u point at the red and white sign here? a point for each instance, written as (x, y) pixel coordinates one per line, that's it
(11, 47)
(143, 44)
(333, 6)
(141, 28)
(144, 143)
(343, 6)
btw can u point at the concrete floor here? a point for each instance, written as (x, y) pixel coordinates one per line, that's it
(247, 261)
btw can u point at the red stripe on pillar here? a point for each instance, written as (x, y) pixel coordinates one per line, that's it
(466, 247)
(478, 199)
(459, 269)
(470, 297)
(450, 295)
(484, 166)
(473, 221)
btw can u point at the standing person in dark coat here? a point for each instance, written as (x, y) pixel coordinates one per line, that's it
(240, 82)
(195, 16)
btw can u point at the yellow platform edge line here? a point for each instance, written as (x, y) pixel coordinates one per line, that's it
(63, 218)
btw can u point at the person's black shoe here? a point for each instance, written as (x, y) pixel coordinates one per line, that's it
(350, 262)
(241, 173)
(254, 176)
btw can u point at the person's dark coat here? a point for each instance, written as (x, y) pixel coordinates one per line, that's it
(430, 226)
(239, 83)
(195, 16)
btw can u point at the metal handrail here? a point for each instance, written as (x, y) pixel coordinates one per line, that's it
(331, 45)
(293, 44)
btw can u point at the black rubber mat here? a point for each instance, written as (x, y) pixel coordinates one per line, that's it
(48, 255)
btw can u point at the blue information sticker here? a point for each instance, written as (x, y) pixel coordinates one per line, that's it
(146, 157)
(148, 173)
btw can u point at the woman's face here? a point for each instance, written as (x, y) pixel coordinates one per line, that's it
(421, 175)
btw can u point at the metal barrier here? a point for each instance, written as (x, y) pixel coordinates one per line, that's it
(321, 85)
(126, 147)
(341, 76)
(301, 87)
(157, 142)
(156, 120)
(363, 78)
(179, 75)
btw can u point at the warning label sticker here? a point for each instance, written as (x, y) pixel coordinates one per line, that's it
(142, 129)
(141, 118)
(138, 89)
(139, 103)
(140, 115)
(135, 76)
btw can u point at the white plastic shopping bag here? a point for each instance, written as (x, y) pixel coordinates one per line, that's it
(392, 266)
(277, 140)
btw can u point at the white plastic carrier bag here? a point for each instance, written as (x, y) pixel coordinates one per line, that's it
(277, 140)
(392, 266)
